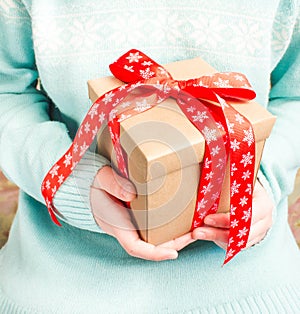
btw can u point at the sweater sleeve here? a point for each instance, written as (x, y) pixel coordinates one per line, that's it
(281, 157)
(30, 143)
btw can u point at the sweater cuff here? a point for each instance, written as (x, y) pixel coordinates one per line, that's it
(72, 199)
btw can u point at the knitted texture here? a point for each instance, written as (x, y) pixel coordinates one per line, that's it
(47, 269)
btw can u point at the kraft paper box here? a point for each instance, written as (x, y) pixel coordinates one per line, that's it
(163, 153)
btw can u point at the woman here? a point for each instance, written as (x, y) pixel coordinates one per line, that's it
(83, 267)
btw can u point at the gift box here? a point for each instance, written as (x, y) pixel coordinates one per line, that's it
(163, 151)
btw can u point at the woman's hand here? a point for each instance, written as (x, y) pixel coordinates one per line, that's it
(217, 226)
(108, 190)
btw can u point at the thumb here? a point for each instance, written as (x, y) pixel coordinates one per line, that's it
(108, 180)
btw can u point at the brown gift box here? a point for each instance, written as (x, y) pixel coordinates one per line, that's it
(163, 153)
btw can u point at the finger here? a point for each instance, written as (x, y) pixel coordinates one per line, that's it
(180, 242)
(109, 210)
(136, 247)
(262, 205)
(258, 231)
(211, 234)
(115, 220)
(221, 220)
(108, 180)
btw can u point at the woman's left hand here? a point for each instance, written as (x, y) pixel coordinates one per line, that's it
(216, 226)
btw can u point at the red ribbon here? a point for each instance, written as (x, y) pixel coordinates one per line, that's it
(150, 84)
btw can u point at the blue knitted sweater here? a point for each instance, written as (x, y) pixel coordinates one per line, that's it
(80, 269)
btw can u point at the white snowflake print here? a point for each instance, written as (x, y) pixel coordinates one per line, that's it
(232, 210)
(147, 63)
(249, 138)
(83, 148)
(101, 117)
(233, 169)
(200, 116)
(134, 86)
(239, 118)
(48, 203)
(221, 163)
(242, 232)
(235, 188)
(166, 88)
(207, 163)
(126, 104)
(68, 158)
(230, 241)
(220, 126)
(87, 127)
(48, 185)
(230, 126)
(209, 134)
(247, 159)
(222, 83)
(230, 253)
(215, 196)
(241, 243)
(243, 201)
(200, 84)
(93, 111)
(61, 179)
(239, 78)
(247, 214)
(207, 188)
(249, 188)
(202, 215)
(248, 37)
(209, 175)
(159, 86)
(234, 223)
(196, 224)
(191, 109)
(235, 145)
(113, 114)
(53, 171)
(75, 148)
(108, 97)
(246, 175)
(54, 190)
(94, 132)
(129, 68)
(215, 150)
(124, 117)
(141, 106)
(117, 101)
(122, 87)
(201, 204)
(134, 57)
(207, 31)
(146, 74)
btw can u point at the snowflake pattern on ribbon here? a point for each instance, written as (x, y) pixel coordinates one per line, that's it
(237, 142)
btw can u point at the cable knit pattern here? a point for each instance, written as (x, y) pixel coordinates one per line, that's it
(78, 269)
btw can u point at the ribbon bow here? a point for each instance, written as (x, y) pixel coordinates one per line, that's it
(226, 132)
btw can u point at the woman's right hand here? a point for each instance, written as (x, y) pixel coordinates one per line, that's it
(107, 192)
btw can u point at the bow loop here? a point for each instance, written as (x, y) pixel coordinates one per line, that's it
(135, 66)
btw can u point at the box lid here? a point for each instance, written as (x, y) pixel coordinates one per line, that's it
(162, 139)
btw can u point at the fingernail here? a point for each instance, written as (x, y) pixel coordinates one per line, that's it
(210, 221)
